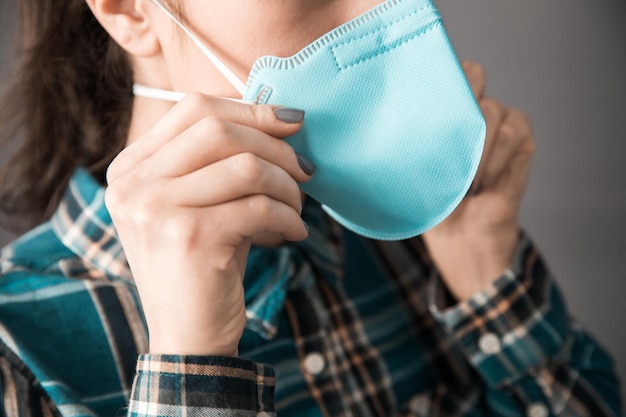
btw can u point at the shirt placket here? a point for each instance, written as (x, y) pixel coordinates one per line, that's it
(345, 374)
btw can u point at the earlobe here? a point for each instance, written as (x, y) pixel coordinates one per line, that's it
(128, 24)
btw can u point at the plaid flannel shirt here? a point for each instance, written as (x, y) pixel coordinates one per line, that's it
(338, 325)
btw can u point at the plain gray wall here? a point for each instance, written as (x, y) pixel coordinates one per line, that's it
(564, 63)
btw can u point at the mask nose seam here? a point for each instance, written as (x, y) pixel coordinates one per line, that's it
(383, 49)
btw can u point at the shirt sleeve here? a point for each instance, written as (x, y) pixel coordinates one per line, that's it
(176, 385)
(531, 356)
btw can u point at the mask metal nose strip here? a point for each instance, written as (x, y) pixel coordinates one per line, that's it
(226, 72)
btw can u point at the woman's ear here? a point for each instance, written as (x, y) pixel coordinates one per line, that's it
(128, 24)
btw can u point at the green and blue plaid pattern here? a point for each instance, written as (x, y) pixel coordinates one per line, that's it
(384, 334)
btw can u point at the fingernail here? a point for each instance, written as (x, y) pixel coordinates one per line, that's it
(289, 115)
(305, 164)
(306, 226)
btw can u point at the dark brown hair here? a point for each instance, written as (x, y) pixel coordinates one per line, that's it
(67, 104)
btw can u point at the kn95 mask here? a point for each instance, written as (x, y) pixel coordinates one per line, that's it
(391, 123)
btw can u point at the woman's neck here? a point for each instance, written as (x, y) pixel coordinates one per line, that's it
(146, 113)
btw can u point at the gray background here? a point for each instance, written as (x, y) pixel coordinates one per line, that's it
(564, 63)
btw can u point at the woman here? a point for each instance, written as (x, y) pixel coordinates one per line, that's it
(464, 320)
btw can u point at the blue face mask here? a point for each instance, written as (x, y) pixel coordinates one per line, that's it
(391, 122)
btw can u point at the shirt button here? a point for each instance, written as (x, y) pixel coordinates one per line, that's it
(314, 363)
(537, 410)
(489, 344)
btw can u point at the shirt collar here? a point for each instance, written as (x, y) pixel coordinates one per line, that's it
(272, 272)
(82, 222)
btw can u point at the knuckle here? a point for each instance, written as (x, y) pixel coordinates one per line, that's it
(521, 120)
(508, 133)
(294, 192)
(474, 70)
(531, 146)
(146, 212)
(517, 129)
(195, 100)
(294, 189)
(257, 115)
(511, 138)
(248, 166)
(115, 168)
(119, 195)
(491, 108)
(479, 71)
(520, 123)
(468, 65)
(261, 206)
(288, 160)
(134, 204)
(491, 103)
(283, 151)
(182, 230)
(114, 196)
(213, 127)
(246, 114)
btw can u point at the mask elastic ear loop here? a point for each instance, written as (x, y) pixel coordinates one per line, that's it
(232, 78)
(169, 95)
(157, 93)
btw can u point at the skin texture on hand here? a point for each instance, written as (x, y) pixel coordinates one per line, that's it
(475, 244)
(186, 199)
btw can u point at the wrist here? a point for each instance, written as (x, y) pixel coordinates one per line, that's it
(469, 263)
(190, 348)
(200, 340)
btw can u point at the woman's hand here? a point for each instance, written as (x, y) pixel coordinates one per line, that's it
(475, 245)
(186, 200)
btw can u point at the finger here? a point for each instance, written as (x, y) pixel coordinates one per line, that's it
(193, 108)
(231, 179)
(506, 145)
(477, 78)
(514, 178)
(213, 139)
(493, 112)
(256, 214)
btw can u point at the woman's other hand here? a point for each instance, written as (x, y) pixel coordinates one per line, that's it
(186, 200)
(475, 245)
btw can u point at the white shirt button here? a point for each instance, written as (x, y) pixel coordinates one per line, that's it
(537, 410)
(314, 363)
(263, 414)
(489, 344)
